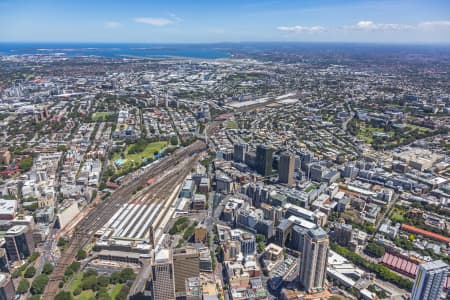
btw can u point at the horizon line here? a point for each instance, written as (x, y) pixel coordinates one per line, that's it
(437, 43)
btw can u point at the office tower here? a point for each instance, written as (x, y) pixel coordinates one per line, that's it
(186, 264)
(282, 232)
(205, 260)
(265, 227)
(3, 261)
(286, 169)
(19, 242)
(350, 171)
(342, 234)
(430, 279)
(239, 152)
(163, 283)
(7, 290)
(316, 172)
(298, 237)
(314, 260)
(305, 159)
(264, 158)
(248, 244)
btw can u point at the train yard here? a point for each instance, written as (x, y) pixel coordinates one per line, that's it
(168, 172)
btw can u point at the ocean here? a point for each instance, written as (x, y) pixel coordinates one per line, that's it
(116, 50)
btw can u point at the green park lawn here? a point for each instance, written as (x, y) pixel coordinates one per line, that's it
(101, 115)
(137, 158)
(366, 132)
(114, 289)
(232, 125)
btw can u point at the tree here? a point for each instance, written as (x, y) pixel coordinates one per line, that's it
(38, 285)
(63, 295)
(30, 272)
(123, 294)
(103, 281)
(127, 274)
(174, 140)
(81, 254)
(103, 294)
(62, 242)
(23, 286)
(89, 283)
(62, 148)
(260, 238)
(77, 291)
(48, 268)
(115, 277)
(374, 249)
(90, 272)
(33, 257)
(26, 164)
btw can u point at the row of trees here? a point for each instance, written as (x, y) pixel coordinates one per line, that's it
(374, 249)
(380, 270)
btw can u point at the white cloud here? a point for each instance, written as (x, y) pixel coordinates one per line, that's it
(370, 25)
(173, 18)
(366, 25)
(430, 25)
(301, 29)
(112, 24)
(154, 21)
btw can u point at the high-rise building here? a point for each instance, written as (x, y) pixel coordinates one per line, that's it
(4, 265)
(264, 159)
(186, 264)
(430, 280)
(19, 242)
(163, 281)
(286, 168)
(248, 244)
(298, 237)
(342, 234)
(7, 290)
(316, 172)
(239, 152)
(314, 260)
(350, 171)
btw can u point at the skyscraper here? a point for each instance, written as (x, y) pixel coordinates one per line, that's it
(163, 284)
(19, 242)
(7, 290)
(342, 234)
(239, 152)
(430, 279)
(314, 259)
(186, 264)
(264, 158)
(248, 244)
(286, 169)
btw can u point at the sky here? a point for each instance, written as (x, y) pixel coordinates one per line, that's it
(201, 21)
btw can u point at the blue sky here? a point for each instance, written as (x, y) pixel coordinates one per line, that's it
(154, 21)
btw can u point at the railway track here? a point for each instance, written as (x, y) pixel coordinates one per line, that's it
(101, 213)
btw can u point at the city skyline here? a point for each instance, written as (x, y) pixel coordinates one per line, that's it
(394, 21)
